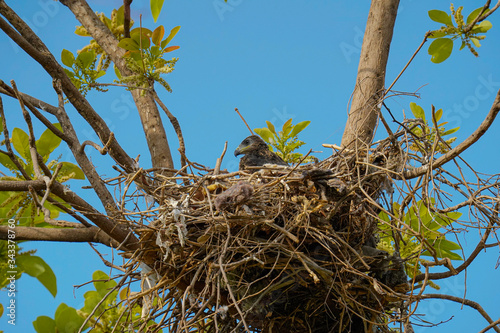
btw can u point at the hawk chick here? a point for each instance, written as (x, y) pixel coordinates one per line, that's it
(256, 153)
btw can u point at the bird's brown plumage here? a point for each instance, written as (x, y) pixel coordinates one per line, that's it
(256, 153)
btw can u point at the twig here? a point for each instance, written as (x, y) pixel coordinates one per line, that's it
(426, 36)
(491, 325)
(467, 302)
(238, 112)
(103, 150)
(219, 160)
(482, 16)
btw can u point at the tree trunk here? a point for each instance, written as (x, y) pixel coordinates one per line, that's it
(363, 114)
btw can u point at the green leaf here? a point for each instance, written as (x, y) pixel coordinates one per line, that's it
(69, 73)
(44, 324)
(96, 75)
(67, 58)
(440, 17)
(48, 142)
(156, 6)
(417, 111)
(158, 35)
(438, 114)
(271, 127)
(450, 131)
(172, 34)
(447, 245)
(92, 298)
(20, 141)
(120, 16)
(439, 33)
(472, 16)
(81, 31)
(440, 49)
(67, 319)
(454, 215)
(101, 283)
(70, 170)
(138, 31)
(85, 59)
(141, 39)
(299, 127)
(443, 254)
(38, 268)
(462, 46)
(155, 50)
(265, 134)
(482, 27)
(117, 72)
(475, 41)
(129, 44)
(7, 162)
(286, 125)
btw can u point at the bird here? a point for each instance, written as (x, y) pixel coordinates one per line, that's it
(256, 153)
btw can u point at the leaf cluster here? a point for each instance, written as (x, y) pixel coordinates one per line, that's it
(21, 205)
(285, 142)
(419, 234)
(83, 72)
(430, 137)
(455, 27)
(145, 52)
(116, 25)
(113, 310)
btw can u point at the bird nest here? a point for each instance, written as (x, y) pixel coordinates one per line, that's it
(275, 250)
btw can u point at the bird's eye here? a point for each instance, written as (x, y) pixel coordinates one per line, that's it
(245, 142)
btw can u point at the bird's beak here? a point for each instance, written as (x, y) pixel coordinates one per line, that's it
(240, 150)
(237, 152)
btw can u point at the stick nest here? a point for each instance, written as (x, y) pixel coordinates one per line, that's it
(276, 250)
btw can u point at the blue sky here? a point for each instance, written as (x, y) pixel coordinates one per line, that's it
(273, 60)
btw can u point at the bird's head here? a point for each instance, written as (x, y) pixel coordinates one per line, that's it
(251, 143)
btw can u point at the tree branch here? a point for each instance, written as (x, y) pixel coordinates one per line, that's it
(465, 301)
(92, 235)
(108, 226)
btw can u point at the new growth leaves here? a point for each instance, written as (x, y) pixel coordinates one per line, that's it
(82, 72)
(430, 138)
(145, 51)
(455, 27)
(286, 141)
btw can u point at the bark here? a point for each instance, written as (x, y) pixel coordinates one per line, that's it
(363, 114)
(156, 136)
(92, 235)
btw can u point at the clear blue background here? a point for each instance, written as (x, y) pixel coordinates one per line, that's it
(273, 60)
